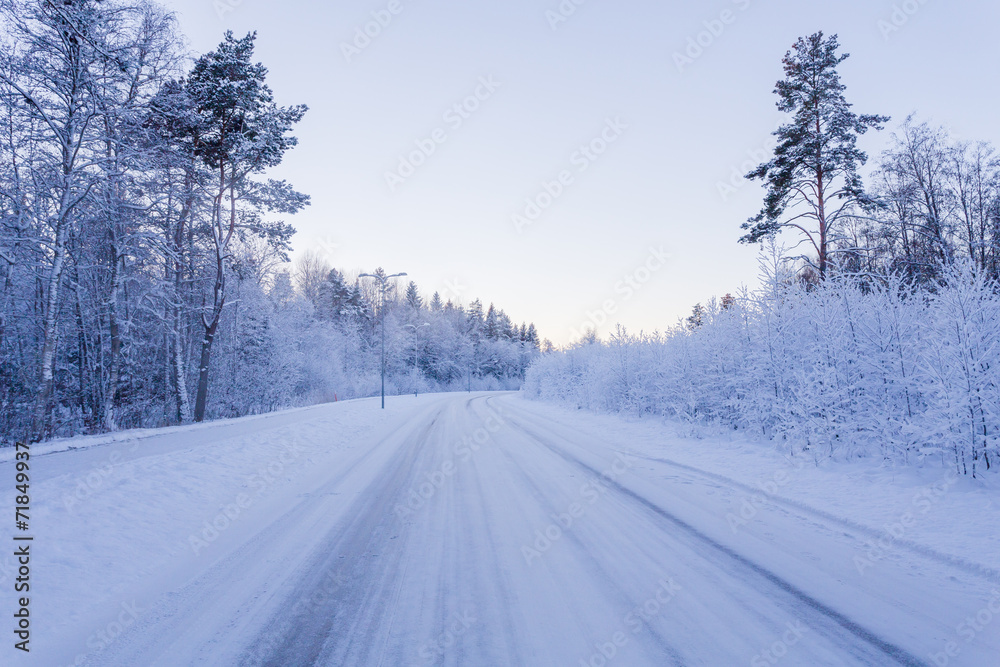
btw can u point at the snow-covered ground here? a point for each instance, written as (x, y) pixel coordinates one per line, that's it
(485, 529)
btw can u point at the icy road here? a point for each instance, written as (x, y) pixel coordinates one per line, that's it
(476, 530)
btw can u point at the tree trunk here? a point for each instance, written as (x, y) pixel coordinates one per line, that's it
(821, 204)
(83, 363)
(49, 333)
(218, 301)
(108, 420)
(206, 357)
(180, 373)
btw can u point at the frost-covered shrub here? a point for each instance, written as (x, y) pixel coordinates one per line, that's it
(847, 368)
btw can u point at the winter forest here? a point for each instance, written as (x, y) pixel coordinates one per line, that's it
(880, 340)
(145, 275)
(143, 250)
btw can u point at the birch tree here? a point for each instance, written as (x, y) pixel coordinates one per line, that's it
(55, 54)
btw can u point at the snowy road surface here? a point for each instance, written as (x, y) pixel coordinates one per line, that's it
(467, 530)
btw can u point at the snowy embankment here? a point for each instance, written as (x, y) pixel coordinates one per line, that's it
(185, 544)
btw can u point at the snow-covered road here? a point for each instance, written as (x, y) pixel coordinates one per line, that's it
(469, 530)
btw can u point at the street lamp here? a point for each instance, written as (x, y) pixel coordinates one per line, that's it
(416, 354)
(383, 285)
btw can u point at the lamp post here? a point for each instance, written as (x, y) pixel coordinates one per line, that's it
(382, 281)
(416, 353)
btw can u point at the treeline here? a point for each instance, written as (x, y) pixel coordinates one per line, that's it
(881, 339)
(141, 242)
(850, 367)
(938, 203)
(132, 193)
(432, 344)
(930, 200)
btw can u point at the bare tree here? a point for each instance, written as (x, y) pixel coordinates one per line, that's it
(57, 55)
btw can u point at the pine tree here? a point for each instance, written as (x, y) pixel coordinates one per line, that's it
(436, 303)
(491, 327)
(532, 336)
(413, 298)
(696, 319)
(474, 317)
(242, 132)
(337, 301)
(814, 173)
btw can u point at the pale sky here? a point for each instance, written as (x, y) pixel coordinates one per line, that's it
(605, 76)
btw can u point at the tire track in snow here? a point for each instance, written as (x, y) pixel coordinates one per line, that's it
(896, 653)
(970, 567)
(666, 648)
(314, 636)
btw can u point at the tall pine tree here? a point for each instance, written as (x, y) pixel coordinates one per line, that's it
(812, 181)
(242, 133)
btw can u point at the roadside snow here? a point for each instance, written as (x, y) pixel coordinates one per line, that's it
(955, 517)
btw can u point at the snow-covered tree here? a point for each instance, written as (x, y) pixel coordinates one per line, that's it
(856, 365)
(813, 181)
(241, 133)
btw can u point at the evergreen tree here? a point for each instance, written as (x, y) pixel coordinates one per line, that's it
(474, 318)
(338, 302)
(413, 298)
(506, 328)
(436, 303)
(813, 177)
(241, 132)
(491, 326)
(532, 336)
(696, 319)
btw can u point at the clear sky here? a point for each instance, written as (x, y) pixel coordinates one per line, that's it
(663, 136)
